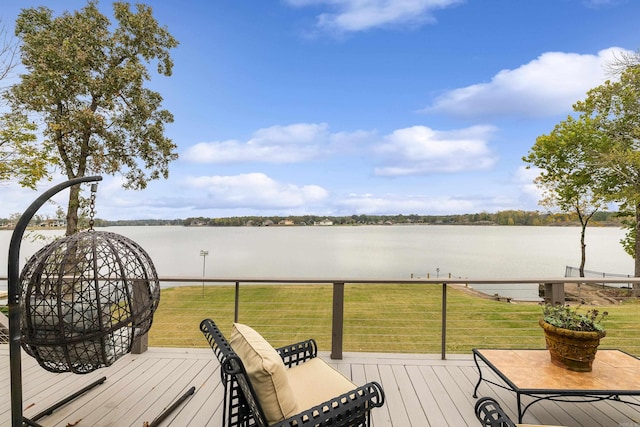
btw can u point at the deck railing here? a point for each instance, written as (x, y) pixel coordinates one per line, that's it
(553, 292)
(445, 324)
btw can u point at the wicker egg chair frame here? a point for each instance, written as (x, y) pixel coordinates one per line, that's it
(85, 299)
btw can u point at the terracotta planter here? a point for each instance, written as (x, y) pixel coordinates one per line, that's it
(573, 350)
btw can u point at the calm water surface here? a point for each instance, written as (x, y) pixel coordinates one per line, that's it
(370, 252)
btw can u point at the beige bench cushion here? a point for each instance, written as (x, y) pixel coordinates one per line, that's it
(267, 373)
(314, 382)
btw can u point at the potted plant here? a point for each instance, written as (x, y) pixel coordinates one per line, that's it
(572, 337)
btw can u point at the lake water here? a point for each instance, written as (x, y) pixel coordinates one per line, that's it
(376, 252)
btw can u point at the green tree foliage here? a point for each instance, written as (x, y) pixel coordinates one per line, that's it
(614, 108)
(85, 79)
(568, 158)
(21, 157)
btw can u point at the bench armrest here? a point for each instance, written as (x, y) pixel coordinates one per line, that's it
(216, 340)
(490, 414)
(300, 352)
(345, 410)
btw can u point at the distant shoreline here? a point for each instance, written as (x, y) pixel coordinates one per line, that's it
(153, 224)
(62, 229)
(564, 224)
(500, 218)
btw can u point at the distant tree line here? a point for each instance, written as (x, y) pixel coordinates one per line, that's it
(510, 217)
(136, 222)
(83, 222)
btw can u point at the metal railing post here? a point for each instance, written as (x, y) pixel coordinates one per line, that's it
(337, 325)
(237, 303)
(554, 293)
(444, 322)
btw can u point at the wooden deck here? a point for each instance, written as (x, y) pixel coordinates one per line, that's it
(421, 390)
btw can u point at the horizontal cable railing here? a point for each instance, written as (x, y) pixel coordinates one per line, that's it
(436, 316)
(427, 316)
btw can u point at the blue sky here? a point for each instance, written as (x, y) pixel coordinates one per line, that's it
(341, 107)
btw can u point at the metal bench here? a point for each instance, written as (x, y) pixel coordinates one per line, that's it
(490, 414)
(241, 407)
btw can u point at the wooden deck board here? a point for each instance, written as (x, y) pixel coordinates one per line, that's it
(421, 390)
(117, 389)
(429, 406)
(410, 400)
(384, 416)
(172, 376)
(440, 393)
(397, 410)
(205, 406)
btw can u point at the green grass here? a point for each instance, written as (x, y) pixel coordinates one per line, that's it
(378, 318)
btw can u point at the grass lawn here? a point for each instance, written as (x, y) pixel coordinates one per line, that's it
(378, 318)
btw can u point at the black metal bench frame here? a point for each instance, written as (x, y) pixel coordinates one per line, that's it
(490, 414)
(242, 409)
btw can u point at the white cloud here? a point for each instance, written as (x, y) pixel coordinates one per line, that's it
(381, 205)
(548, 85)
(524, 178)
(296, 134)
(360, 15)
(392, 204)
(277, 144)
(255, 190)
(16, 199)
(419, 150)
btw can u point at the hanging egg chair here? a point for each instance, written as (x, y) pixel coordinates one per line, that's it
(85, 299)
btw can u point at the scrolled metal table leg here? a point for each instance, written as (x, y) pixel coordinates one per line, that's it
(475, 390)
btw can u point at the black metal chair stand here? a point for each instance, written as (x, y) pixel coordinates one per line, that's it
(50, 410)
(13, 271)
(80, 303)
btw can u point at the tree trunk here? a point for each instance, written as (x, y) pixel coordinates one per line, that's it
(636, 286)
(583, 248)
(72, 210)
(584, 221)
